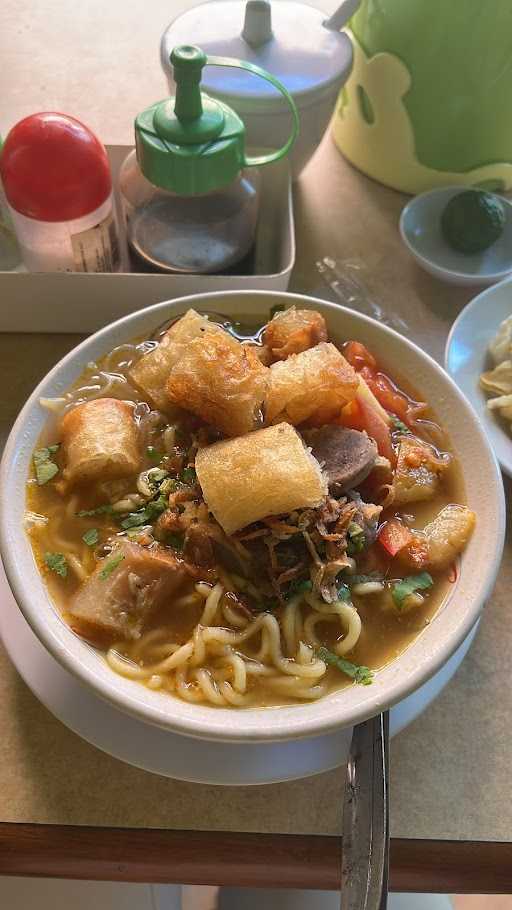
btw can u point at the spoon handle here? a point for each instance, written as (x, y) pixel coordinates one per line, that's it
(340, 17)
(365, 845)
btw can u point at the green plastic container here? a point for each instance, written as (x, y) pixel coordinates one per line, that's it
(429, 101)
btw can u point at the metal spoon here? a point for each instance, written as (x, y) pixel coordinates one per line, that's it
(365, 859)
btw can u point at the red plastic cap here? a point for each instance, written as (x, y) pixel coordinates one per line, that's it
(54, 169)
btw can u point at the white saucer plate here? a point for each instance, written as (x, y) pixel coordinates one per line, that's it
(420, 229)
(466, 357)
(169, 754)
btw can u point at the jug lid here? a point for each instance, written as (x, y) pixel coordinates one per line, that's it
(289, 39)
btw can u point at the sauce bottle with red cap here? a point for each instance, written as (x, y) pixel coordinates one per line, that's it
(56, 178)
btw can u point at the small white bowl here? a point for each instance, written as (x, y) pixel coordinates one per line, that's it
(420, 228)
(421, 660)
(466, 357)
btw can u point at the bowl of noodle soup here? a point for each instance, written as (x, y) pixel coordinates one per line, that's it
(239, 665)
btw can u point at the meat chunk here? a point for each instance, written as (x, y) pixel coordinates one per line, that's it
(151, 372)
(312, 386)
(199, 546)
(100, 441)
(293, 331)
(221, 381)
(346, 456)
(442, 539)
(119, 601)
(418, 471)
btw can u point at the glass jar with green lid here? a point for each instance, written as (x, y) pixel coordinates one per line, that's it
(189, 199)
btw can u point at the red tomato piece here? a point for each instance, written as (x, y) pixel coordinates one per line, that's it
(359, 356)
(394, 536)
(394, 400)
(351, 416)
(359, 415)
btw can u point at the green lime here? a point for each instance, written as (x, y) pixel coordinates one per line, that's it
(472, 221)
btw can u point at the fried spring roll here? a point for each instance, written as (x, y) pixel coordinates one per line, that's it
(293, 331)
(268, 472)
(312, 386)
(100, 441)
(152, 370)
(221, 381)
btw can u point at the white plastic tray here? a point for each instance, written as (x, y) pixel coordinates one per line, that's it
(84, 302)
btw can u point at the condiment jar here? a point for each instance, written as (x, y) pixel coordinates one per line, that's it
(10, 256)
(291, 40)
(56, 177)
(189, 203)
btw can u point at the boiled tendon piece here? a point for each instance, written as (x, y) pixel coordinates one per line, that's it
(441, 540)
(293, 331)
(126, 588)
(100, 441)
(269, 472)
(418, 471)
(152, 370)
(221, 381)
(312, 386)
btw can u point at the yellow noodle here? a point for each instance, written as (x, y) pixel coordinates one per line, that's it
(210, 607)
(209, 687)
(348, 616)
(186, 601)
(236, 699)
(292, 624)
(232, 617)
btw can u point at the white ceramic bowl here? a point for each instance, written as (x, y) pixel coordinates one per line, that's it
(420, 229)
(397, 680)
(467, 356)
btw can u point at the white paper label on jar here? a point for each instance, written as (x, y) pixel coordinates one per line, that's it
(97, 248)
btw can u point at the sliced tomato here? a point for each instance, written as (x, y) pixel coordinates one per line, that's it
(351, 416)
(359, 356)
(359, 415)
(394, 536)
(364, 393)
(392, 399)
(367, 373)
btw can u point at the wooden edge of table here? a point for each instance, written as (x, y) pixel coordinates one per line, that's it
(243, 860)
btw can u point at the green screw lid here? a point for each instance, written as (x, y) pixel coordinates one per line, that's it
(189, 144)
(193, 144)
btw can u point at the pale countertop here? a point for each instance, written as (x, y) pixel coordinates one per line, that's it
(450, 770)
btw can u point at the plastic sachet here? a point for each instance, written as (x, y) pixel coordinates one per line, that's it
(345, 281)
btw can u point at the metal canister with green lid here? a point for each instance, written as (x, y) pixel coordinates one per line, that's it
(190, 193)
